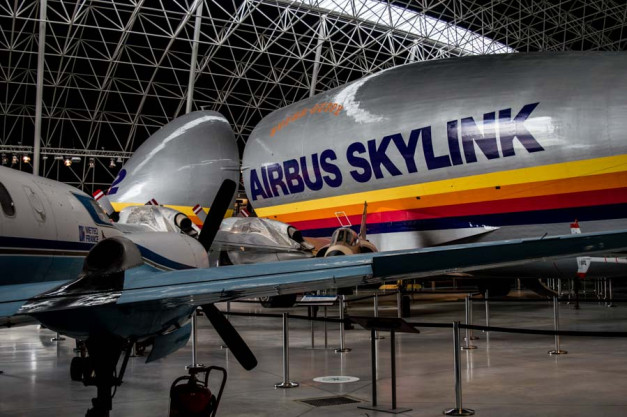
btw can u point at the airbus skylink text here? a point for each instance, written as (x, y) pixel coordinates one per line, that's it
(371, 159)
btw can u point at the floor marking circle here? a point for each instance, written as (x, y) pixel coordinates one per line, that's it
(336, 379)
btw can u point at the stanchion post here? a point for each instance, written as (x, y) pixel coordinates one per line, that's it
(326, 336)
(393, 366)
(556, 327)
(487, 309)
(286, 356)
(342, 348)
(459, 410)
(472, 337)
(373, 357)
(610, 303)
(311, 325)
(195, 363)
(467, 345)
(376, 314)
(399, 306)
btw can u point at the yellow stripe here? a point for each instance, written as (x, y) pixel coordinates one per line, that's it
(563, 170)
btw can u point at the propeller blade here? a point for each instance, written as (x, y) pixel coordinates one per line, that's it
(216, 214)
(230, 336)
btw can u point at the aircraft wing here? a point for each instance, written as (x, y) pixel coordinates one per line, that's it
(202, 286)
(12, 296)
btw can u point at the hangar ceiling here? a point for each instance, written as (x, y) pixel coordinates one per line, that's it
(115, 71)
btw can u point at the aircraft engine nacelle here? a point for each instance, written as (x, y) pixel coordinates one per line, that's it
(112, 255)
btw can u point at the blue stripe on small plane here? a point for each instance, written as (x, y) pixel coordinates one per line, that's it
(161, 260)
(566, 215)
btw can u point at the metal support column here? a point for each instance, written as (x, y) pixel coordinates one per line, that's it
(195, 363)
(610, 303)
(467, 345)
(326, 335)
(342, 347)
(472, 337)
(286, 356)
(459, 410)
(192, 64)
(487, 309)
(43, 10)
(376, 314)
(556, 327)
(322, 29)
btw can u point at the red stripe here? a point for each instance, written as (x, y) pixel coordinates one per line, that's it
(557, 201)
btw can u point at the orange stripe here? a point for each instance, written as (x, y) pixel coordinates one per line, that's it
(542, 188)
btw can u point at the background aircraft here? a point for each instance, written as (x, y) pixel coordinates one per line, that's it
(523, 142)
(457, 150)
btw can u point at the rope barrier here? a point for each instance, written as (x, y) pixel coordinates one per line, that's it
(581, 333)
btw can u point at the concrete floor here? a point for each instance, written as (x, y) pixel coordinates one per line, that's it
(509, 374)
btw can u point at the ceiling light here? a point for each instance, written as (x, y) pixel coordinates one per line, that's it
(76, 159)
(92, 163)
(67, 162)
(14, 160)
(26, 159)
(119, 161)
(58, 158)
(5, 159)
(112, 163)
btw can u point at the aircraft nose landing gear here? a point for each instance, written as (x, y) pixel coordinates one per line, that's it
(191, 397)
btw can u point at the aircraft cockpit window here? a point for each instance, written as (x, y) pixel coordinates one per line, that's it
(6, 201)
(99, 211)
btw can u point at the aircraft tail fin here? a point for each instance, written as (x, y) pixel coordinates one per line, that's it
(362, 229)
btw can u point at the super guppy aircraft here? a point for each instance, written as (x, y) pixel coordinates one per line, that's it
(477, 148)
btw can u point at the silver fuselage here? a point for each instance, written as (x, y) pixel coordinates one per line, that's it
(482, 148)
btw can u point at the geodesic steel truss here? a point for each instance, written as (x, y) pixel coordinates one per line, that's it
(114, 72)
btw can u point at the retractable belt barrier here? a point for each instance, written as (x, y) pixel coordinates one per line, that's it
(456, 326)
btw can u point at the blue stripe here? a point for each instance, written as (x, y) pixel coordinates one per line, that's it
(160, 260)
(566, 215)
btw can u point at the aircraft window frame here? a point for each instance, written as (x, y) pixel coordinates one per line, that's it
(6, 201)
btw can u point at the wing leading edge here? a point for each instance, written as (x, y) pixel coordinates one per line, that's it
(197, 287)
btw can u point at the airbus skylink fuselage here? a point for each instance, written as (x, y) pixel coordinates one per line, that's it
(464, 149)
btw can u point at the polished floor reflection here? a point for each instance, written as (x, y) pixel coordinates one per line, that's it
(508, 374)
